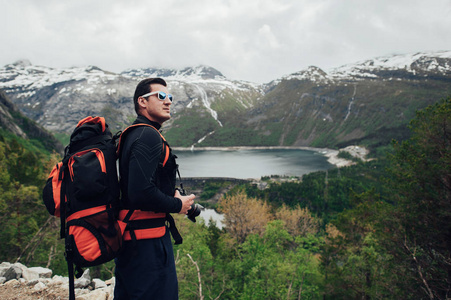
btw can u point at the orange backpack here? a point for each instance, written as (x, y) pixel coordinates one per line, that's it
(83, 190)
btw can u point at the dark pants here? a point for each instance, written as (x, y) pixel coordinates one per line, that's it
(146, 270)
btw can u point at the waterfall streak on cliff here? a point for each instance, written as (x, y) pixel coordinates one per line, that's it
(350, 103)
(207, 104)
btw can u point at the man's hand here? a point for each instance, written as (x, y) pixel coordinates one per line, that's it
(187, 201)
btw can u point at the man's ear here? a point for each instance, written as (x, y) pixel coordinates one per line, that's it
(142, 102)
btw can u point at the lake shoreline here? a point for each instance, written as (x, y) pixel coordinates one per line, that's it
(233, 148)
(331, 154)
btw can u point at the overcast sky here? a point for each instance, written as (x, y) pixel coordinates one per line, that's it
(254, 40)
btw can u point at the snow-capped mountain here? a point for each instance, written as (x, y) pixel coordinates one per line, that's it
(391, 67)
(58, 98)
(196, 73)
(385, 67)
(416, 64)
(309, 107)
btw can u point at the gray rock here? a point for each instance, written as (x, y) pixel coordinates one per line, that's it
(36, 273)
(11, 272)
(98, 284)
(5, 264)
(94, 295)
(84, 280)
(39, 286)
(3, 271)
(32, 282)
(59, 280)
(39, 278)
(18, 264)
(81, 292)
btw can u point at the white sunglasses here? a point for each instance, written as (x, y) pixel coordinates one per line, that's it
(161, 95)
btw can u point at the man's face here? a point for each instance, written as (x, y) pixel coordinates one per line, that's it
(155, 109)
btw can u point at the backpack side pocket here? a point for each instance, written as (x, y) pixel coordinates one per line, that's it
(52, 191)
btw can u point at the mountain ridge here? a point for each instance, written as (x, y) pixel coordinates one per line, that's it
(311, 107)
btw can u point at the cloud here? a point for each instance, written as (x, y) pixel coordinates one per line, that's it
(255, 40)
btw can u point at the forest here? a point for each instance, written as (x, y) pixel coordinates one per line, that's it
(375, 230)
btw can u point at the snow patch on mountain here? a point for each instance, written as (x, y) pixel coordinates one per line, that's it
(414, 63)
(439, 61)
(25, 79)
(199, 74)
(312, 73)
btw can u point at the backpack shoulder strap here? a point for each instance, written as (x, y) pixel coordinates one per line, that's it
(166, 148)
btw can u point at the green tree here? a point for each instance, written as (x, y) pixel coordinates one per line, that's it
(19, 218)
(357, 266)
(28, 234)
(194, 262)
(422, 190)
(276, 266)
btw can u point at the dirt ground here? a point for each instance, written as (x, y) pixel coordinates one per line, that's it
(15, 290)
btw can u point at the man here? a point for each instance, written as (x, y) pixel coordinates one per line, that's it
(145, 269)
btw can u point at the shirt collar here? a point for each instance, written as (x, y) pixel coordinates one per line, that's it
(141, 119)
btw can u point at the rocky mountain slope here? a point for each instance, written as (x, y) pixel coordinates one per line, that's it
(14, 122)
(368, 102)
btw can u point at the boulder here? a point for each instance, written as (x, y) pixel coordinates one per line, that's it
(36, 273)
(10, 271)
(18, 264)
(83, 281)
(98, 284)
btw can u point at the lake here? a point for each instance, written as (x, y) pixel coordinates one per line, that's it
(208, 214)
(250, 163)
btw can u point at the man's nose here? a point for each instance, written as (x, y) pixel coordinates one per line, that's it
(167, 101)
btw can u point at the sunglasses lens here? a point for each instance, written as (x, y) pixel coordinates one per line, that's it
(170, 97)
(161, 95)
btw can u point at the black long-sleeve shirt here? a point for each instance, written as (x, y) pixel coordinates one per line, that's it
(144, 184)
